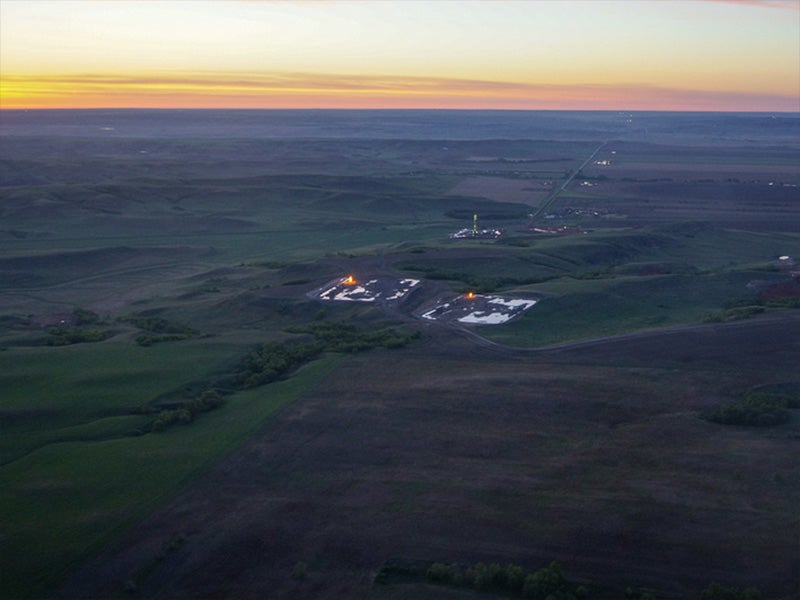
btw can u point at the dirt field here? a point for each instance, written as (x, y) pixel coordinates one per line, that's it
(525, 191)
(592, 455)
(656, 184)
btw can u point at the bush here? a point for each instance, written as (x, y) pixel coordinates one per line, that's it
(344, 337)
(65, 336)
(514, 578)
(438, 572)
(483, 577)
(168, 418)
(208, 400)
(272, 361)
(186, 411)
(148, 339)
(158, 325)
(786, 302)
(300, 570)
(754, 410)
(736, 313)
(547, 583)
(159, 330)
(716, 591)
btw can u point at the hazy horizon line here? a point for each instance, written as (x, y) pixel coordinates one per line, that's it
(390, 109)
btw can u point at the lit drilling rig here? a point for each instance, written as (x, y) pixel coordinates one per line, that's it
(488, 233)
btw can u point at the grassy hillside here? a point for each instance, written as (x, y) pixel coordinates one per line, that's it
(137, 274)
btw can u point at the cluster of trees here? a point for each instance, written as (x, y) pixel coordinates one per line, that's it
(75, 333)
(736, 313)
(785, 302)
(184, 413)
(336, 336)
(275, 360)
(745, 308)
(159, 330)
(716, 591)
(547, 583)
(272, 361)
(64, 336)
(159, 325)
(756, 409)
(148, 339)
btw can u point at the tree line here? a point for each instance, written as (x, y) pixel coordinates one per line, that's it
(758, 409)
(273, 361)
(513, 581)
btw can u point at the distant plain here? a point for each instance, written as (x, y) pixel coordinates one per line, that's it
(144, 254)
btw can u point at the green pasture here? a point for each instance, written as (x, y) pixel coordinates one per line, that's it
(615, 281)
(784, 157)
(592, 309)
(92, 391)
(83, 485)
(603, 254)
(76, 469)
(224, 221)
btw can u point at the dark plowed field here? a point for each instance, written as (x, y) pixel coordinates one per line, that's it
(593, 455)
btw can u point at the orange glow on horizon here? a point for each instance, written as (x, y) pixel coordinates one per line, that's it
(703, 55)
(298, 91)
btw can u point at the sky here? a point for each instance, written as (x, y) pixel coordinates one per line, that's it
(697, 55)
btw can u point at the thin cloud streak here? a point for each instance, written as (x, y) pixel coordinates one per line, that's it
(779, 4)
(308, 90)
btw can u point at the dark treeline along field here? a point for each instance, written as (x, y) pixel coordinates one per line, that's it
(181, 418)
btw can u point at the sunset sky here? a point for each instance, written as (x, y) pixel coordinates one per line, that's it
(734, 55)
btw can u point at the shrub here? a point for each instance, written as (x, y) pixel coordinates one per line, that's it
(753, 410)
(148, 339)
(300, 570)
(65, 336)
(186, 411)
(547, 583)
(483, 577)
(786, 302)
(159, 325)
(514, 578)
(735, 313)
(439, 572)
(715, 591)
(168, 418)
(272, 361)
(344, 337)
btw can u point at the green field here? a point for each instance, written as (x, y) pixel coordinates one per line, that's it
(169, 270)
(74, 489)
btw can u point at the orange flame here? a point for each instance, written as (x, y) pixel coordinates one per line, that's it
(471, 295)
(350, 280)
